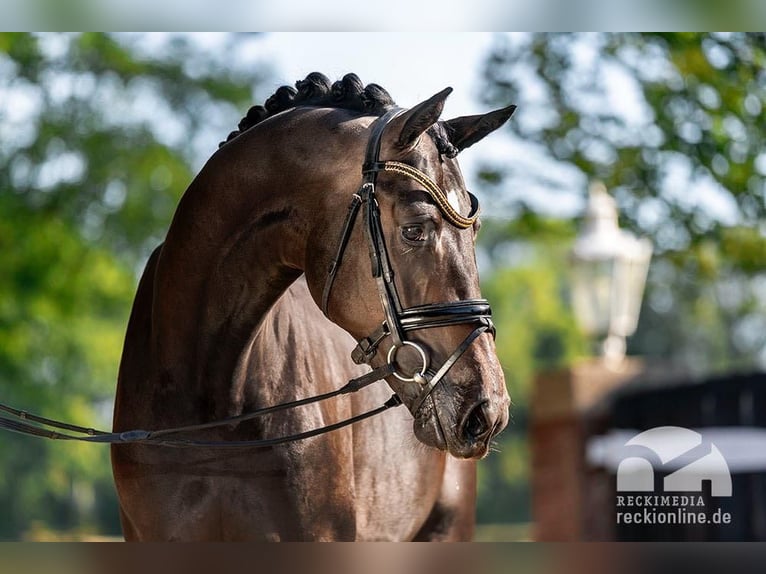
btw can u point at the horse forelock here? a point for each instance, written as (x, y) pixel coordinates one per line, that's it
(440, 136)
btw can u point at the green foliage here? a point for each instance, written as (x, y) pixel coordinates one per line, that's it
(60, 341)
(673, 124)
(98, 139)
(536, 329)
(536, 332)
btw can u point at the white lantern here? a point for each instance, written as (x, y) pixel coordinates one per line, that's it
(609, 275)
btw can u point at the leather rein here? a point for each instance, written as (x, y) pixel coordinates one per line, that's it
(399, 321)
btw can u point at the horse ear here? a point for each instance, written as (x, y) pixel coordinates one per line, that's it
(467, 130)
(406, 128)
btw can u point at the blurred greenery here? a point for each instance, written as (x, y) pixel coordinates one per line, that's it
(536, 332)
(673, 125)
(99, 136)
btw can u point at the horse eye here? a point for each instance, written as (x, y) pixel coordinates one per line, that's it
(413, 232)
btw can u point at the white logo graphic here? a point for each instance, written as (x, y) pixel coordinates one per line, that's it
(681, 450)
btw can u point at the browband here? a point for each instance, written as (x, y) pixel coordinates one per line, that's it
(433, 190)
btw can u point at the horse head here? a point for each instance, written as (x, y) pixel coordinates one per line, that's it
(403, 278)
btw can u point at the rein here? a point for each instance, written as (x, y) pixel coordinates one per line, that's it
(159, 437)
(398, 322)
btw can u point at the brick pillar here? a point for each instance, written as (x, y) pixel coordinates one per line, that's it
(558, 406)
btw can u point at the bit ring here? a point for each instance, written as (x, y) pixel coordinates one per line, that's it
(419, 376)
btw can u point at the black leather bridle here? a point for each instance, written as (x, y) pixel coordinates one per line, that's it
(398, 322)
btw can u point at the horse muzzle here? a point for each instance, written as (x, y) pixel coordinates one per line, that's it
(465, 433)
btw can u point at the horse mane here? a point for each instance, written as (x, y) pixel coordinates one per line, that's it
(348, 93)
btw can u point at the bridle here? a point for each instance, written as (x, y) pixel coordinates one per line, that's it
(398, 322)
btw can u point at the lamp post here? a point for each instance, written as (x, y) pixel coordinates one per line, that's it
(609, 268)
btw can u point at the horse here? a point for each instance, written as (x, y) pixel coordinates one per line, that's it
(263, 284)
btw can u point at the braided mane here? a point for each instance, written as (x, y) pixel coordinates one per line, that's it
(349, 93)
(317, 90)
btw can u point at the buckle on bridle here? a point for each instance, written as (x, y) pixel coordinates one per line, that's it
(364, 352)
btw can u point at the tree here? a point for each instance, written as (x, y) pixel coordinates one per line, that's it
(672, 124)
(99, 136)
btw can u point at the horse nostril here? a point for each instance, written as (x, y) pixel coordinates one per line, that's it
(476, 423)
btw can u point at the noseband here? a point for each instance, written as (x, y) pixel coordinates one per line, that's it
(399, 321)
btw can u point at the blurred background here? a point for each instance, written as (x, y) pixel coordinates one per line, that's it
(101, 133)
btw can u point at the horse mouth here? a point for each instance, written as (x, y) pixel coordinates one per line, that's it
(468, 438)
(428, 428)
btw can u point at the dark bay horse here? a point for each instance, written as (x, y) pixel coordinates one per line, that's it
(227, 320)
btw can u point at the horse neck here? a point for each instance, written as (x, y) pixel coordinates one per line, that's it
(238, 240)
